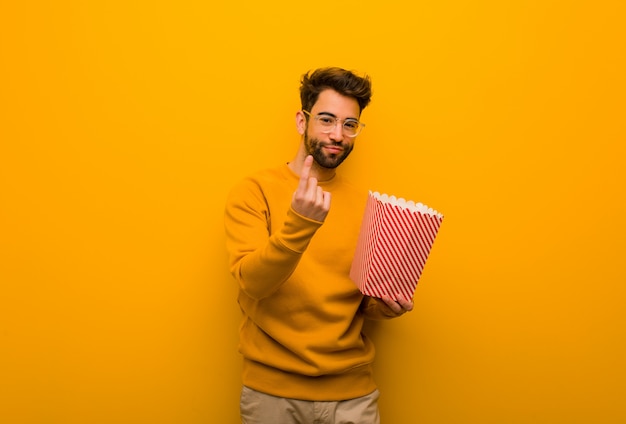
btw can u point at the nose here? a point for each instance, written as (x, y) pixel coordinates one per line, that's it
(337, 133)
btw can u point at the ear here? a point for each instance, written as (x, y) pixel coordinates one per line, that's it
(301, 122)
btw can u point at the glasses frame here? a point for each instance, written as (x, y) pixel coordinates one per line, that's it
(343, 129)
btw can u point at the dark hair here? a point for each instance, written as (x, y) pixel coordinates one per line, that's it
(342, 81)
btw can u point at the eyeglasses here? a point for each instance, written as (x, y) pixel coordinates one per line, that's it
(351, 127)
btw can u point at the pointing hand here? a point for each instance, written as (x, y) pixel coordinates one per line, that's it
(309, 199)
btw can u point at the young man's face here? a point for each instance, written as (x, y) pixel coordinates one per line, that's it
(330, 149)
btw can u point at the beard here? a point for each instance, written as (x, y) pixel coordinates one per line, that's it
(330, 161)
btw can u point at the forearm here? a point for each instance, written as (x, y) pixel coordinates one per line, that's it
(260, 263)
(263, 271)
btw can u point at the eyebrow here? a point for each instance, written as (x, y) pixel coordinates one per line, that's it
(335, 116)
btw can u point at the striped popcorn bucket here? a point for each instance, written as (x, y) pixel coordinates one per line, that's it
(394, 243)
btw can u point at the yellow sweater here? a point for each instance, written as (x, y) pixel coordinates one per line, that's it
(301, 331)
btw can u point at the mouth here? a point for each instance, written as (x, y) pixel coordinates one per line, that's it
(333, 149)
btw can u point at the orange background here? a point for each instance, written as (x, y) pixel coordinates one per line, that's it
(124, 124)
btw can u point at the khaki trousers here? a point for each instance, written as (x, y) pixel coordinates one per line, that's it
(260, 408)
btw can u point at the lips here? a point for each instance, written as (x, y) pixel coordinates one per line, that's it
(333, 149)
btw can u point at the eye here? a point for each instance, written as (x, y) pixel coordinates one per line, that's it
(351, 124)
(326, 120)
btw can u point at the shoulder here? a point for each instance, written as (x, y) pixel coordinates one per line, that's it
(267, 176)
(259, 182)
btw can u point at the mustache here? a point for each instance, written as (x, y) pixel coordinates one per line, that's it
(332, 144)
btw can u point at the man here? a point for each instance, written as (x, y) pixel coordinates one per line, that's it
(291, 234)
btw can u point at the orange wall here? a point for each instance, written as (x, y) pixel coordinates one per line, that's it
(123, 126)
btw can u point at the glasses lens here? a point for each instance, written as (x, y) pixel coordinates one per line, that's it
(326, 121)
(351, 127)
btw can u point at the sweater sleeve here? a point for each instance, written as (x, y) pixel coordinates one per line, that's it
(261, 259)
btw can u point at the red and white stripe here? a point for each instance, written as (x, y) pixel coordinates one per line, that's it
(393, 247)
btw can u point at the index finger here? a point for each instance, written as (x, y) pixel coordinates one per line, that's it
(393, 305)
(306, 167)
(306, 171)
(406, 304)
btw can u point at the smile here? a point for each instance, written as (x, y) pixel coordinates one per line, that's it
(333, 149)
